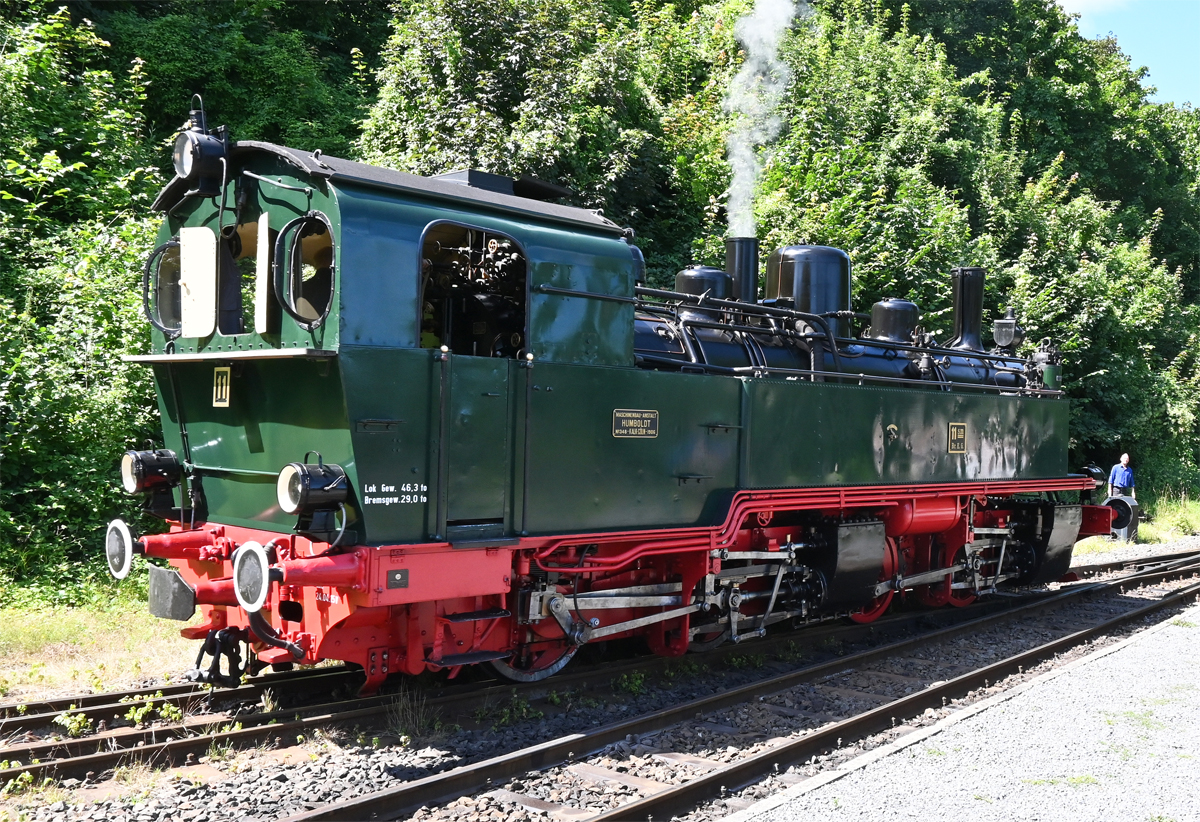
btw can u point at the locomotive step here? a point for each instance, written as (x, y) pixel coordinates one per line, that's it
(476, 616)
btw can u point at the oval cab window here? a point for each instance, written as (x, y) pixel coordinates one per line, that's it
(305, 287)
(161, 294)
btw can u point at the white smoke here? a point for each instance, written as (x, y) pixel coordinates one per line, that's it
(752, 100)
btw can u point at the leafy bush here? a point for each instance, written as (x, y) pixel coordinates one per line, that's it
(285, 72)
(70, 406)
(73, 165)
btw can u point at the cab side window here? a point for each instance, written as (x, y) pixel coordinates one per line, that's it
(239, 279)
(473, 291)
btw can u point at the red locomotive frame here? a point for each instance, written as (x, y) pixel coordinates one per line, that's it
(435, 606)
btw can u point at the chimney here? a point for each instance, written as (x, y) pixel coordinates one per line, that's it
(741, 263)
(968, 309)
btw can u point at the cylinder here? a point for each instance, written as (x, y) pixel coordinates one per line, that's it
(923, 515)
(741, 261)
(216, 592)
(814, 279)
(968, 309)
(340, 571)
(178, 545)
(894, 320)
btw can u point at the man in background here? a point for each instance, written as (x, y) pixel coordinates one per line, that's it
(1120, 479)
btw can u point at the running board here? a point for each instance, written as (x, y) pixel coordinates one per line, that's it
(455, 660)
(476, 616)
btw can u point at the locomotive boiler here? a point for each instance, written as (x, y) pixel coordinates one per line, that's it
(420, 423)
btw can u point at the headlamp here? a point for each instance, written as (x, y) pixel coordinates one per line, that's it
(303, 486)
(197, 157)
(149, 470)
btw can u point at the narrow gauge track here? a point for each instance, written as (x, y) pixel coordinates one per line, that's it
(166, 744)
(17, 717)
(706, 779)
(22, 716)
(174, 743)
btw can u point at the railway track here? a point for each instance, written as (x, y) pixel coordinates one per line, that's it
(180, 742)
(20, 717)
(617, 771)
(64, 757)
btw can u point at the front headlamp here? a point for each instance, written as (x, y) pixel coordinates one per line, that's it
(149, 470)
(304, 486)
(197, 157)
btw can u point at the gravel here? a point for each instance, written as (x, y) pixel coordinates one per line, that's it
(271, 791)
(1116, 737)
(1124, 551)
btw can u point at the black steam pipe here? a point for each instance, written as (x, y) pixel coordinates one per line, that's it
(741, 263)
(761, 310)
(968, 309)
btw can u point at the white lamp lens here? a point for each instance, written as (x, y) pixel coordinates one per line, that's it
(129, 480)
(182, 157)
(288, 489)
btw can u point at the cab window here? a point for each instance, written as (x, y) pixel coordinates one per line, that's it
(473, 291)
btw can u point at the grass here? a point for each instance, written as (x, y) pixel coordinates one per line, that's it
(518, 709)
(410, 716)
(56, 650)
(631, 683)
(1141, 719)
(1170, 516)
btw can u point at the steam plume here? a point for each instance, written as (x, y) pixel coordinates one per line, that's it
(752, 100)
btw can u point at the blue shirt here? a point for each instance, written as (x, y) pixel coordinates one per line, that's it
(1121, 476)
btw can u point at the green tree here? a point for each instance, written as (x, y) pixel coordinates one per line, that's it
(298, 74)
(72, 145)
(75, 165)
(572, 93)
(1081, 98)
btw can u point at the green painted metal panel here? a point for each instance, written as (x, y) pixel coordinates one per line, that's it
(283, 205)
(380, 268)
(392, 423)
(574, 329)
(805, 434)
(478, 439)
(583, 477)
(277, 411)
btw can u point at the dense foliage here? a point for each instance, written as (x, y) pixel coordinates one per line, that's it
(73, 199)
(917, 137)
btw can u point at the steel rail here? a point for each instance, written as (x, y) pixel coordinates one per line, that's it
(60, 757)
(24, 715)
(447, 786)
(683, 798)
(194, 736)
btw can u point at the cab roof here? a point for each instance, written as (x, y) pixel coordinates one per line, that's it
(339, 171)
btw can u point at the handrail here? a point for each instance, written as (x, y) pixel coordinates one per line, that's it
(756, 370)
